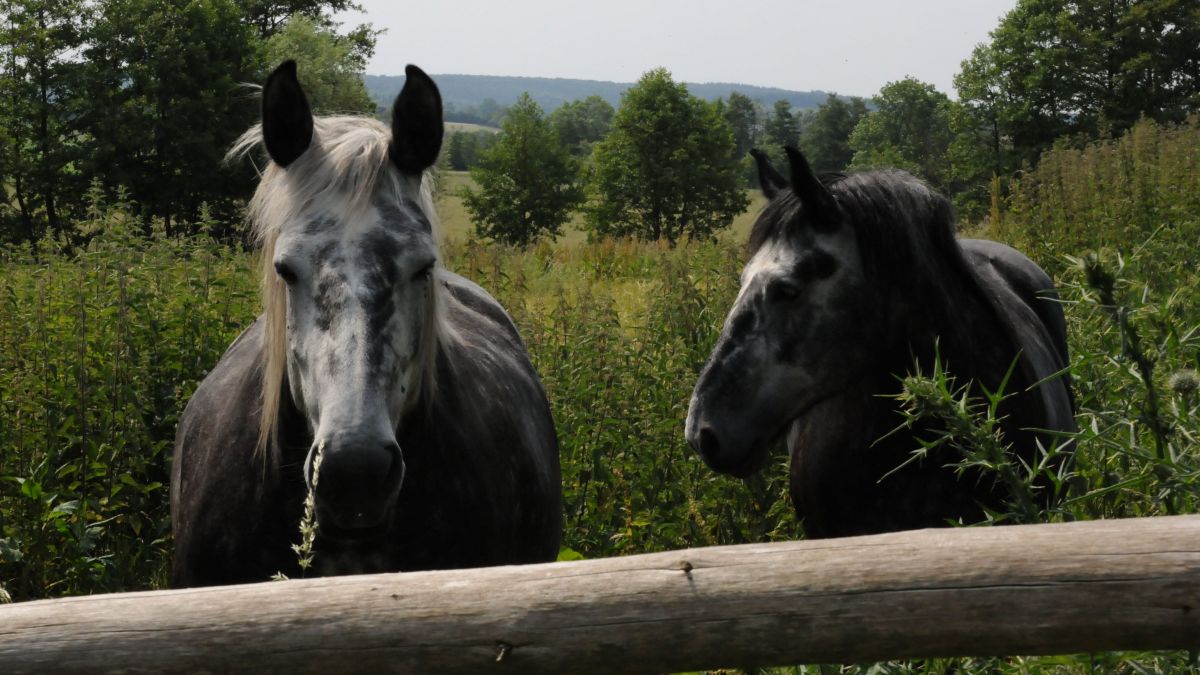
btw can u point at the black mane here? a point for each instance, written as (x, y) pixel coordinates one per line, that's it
(905, 233)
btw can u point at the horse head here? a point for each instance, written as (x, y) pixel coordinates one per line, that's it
(791, 338)
(352, 307)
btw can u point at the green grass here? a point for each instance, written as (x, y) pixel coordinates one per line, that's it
(468, 128)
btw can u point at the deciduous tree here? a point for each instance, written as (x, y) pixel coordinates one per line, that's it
(527, 180)
(329, 66)
(580, 124)
(667, 169)
(826, 138)
(910, 130)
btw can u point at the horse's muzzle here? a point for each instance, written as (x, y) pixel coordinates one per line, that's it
(724, 455)
(358, 481)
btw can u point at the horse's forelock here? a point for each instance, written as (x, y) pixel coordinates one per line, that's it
(346, 169)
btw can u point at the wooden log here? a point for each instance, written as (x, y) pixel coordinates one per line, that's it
(1039, 589)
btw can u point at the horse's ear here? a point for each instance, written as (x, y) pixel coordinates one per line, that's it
(812, 192)
(287, 121)
(769, 179)
(417, 126)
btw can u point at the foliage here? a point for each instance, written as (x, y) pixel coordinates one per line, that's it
(742, 116)
(147, 96)
(782, 129)
(162, 83)
(463, 148)
(37, 111)
(1058, 67)
(667, 168)
(1143, 186)
(330, 66)
(581, 124)
(527, 181)
(826, 139)
(268, 17)
(100, 347)
(910, 129)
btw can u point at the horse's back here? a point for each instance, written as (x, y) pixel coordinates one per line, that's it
(1026, 302)
(1028, 281)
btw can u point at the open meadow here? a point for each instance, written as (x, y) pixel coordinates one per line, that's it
(102, 343)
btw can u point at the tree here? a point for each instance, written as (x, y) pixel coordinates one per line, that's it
(269, 16)
(580, 124)
(1056, 67)
(742, 116)
(330, 66)
(165, 100)
(909, 130)
(826, 138)
(527, 180)
(667, 169)
(782, 128)
(37, 121)
(464, 148)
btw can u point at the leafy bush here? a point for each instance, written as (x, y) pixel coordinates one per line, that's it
(100, 347)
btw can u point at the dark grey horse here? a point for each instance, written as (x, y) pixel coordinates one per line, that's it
(436, 441)
(849, 283)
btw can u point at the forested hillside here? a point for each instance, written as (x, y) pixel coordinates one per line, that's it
(470, 91)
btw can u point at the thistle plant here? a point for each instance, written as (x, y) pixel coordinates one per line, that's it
(951, 417)
(1185, 383)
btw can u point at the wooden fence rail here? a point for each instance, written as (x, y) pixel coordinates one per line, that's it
(1039, 589)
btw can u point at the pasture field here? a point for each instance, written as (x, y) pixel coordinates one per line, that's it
(456, 224)
(102, 343)
(468, 128)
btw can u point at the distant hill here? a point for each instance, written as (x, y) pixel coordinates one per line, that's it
(470, 91)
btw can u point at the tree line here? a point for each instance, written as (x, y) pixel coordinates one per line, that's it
(667, 164)
(141, 98)
(138, 100)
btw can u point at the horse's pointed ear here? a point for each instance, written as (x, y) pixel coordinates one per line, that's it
(417, 126)
(287, 122)
(812, 192)
(769, 179)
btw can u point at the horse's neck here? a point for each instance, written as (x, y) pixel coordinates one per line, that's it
(963, 331)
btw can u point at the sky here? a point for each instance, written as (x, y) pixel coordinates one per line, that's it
(851, 47)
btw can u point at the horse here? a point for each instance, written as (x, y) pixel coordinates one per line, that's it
(852, 282)
(400, 393)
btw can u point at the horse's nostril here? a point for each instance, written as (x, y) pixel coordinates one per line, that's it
(395, 475)
(707, 443)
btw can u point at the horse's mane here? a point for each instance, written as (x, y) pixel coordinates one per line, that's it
(905, 235)
(346, 168)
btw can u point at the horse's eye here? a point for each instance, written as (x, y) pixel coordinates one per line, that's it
(423, 273)
(784, 290)
(285, 272)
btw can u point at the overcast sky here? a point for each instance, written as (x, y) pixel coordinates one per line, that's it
(850, 47)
